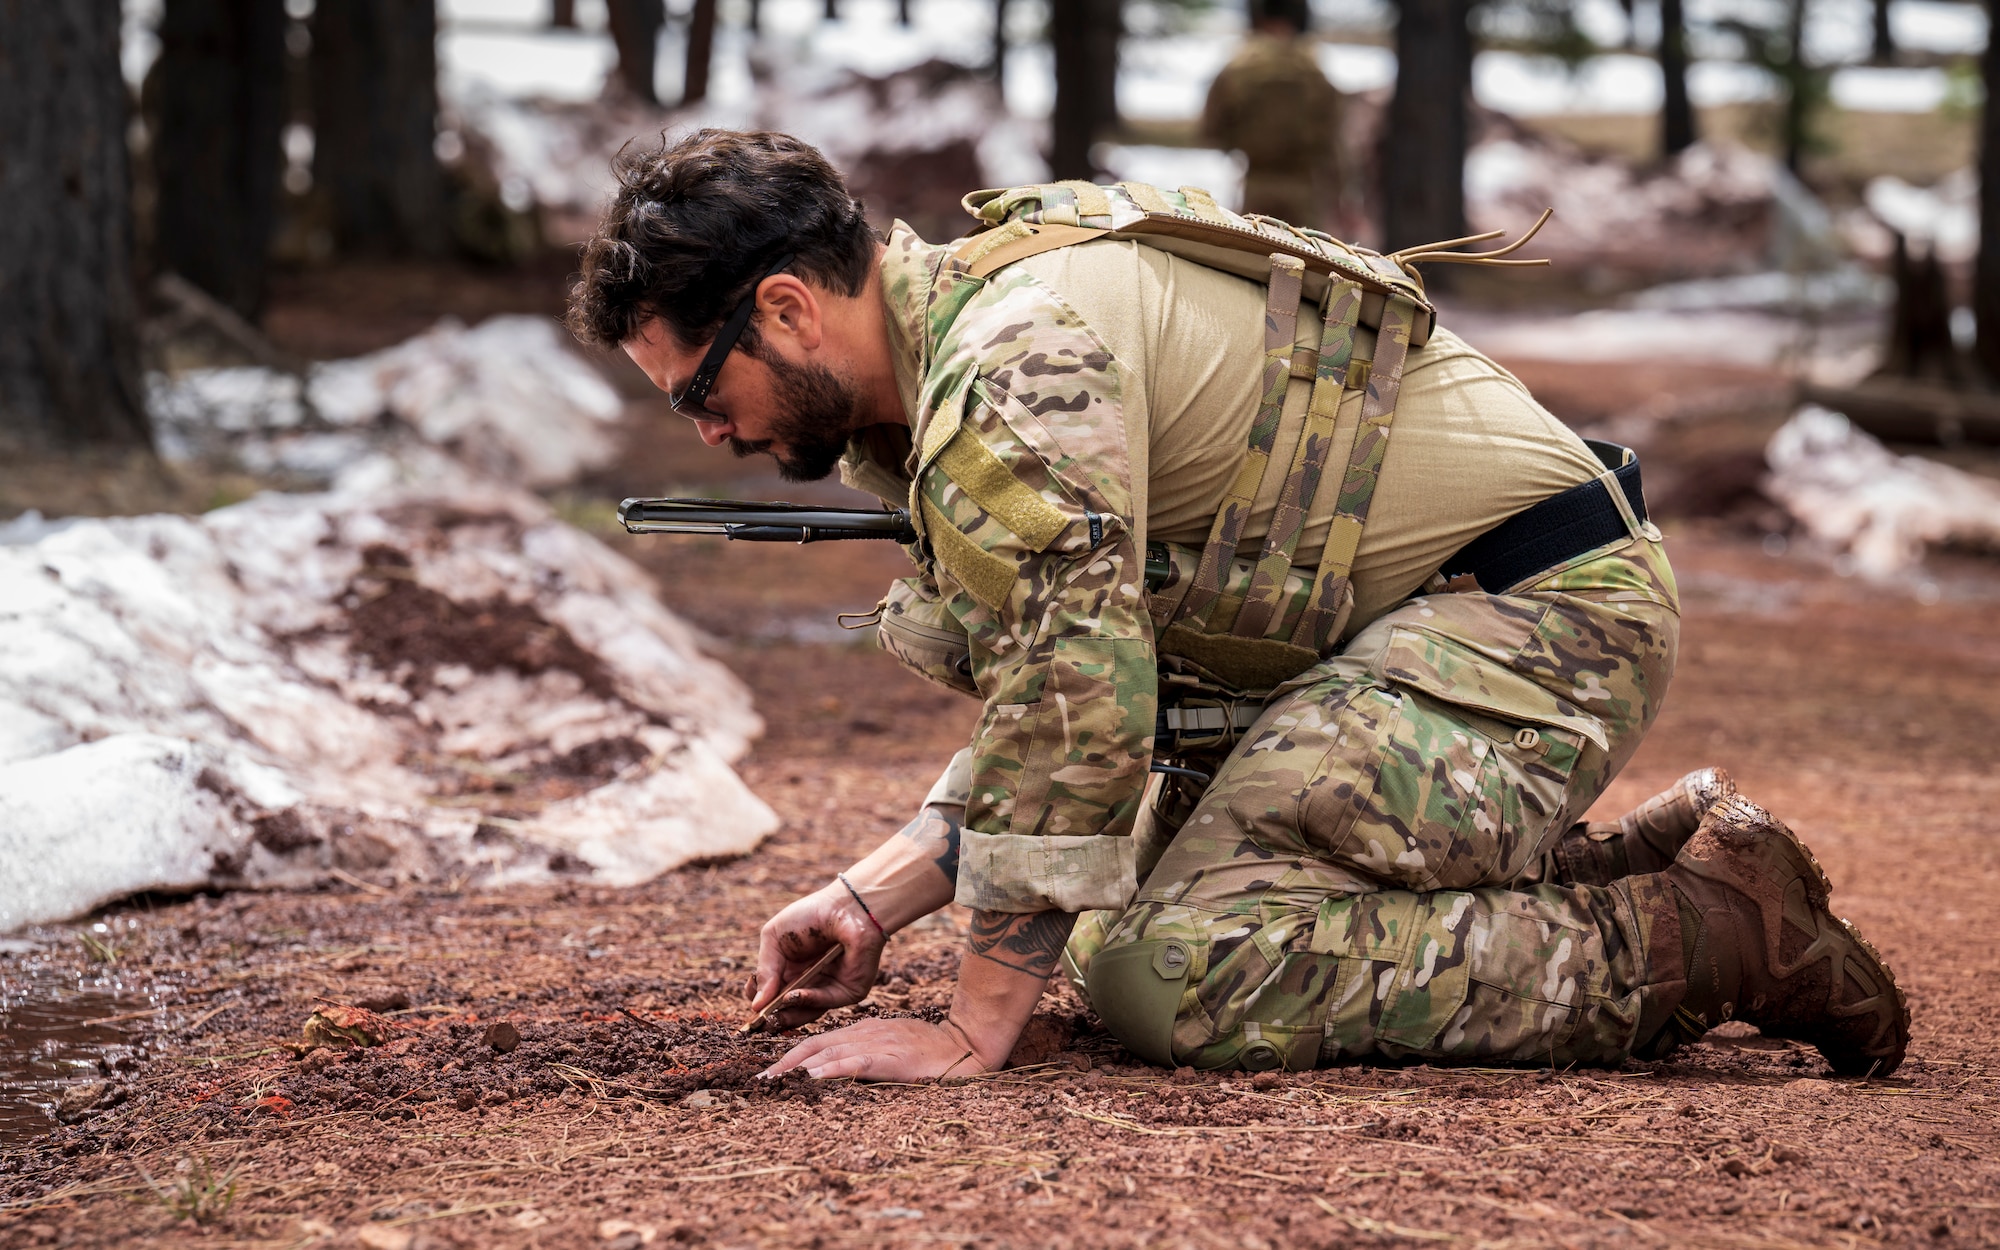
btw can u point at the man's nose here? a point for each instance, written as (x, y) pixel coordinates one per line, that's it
(714, 433)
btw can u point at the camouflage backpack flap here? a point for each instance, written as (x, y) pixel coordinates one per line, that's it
(1020, 222)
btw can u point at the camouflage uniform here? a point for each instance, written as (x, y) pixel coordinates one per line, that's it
(1368, 874)
(1272, 103)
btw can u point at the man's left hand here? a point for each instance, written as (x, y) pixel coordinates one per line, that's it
(884, 1050)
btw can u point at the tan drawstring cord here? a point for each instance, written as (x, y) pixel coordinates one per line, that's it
(1442, 251)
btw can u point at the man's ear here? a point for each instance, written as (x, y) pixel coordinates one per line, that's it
(788, 307)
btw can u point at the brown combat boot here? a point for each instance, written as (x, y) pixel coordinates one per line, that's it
(1760, 945)
(1645, 839)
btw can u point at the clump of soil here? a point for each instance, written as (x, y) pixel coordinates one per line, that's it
(409, 630)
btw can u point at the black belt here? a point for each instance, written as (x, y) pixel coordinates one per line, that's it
(1559, 528)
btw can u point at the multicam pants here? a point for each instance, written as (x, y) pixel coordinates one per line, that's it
(1368, 874)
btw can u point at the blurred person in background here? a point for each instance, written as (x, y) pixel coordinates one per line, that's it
(1272, 103)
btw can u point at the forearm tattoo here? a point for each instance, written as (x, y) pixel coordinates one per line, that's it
(1026, 943)
(936, 830)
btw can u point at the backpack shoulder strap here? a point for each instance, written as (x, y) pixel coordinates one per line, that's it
(1019, 222)
(984, 254)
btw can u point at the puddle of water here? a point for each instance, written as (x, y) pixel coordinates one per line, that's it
(52, 1035)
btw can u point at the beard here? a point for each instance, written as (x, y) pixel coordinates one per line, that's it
(816, 411)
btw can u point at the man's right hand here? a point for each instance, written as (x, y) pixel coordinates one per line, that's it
(795, 938)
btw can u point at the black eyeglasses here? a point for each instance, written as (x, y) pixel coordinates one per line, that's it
(693, 402)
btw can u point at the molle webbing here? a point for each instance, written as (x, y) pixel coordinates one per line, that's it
(1332, 597)
(1262, 609)
(1333, 593)
(1281, 320)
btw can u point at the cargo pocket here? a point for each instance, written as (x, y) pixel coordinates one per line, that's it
(1474, 772)
(1403, 972)
(920, 631)
(1259, 1001)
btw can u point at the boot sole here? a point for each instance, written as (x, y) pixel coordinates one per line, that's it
(1888, 1062)
(1758, 825)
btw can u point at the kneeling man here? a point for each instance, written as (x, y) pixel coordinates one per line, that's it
(1303, 635)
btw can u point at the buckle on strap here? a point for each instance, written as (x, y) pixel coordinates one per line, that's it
(1195, 723)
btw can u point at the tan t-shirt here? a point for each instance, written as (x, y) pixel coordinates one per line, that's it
(1469, 446)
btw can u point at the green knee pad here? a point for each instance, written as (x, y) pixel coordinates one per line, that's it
(1136, 990)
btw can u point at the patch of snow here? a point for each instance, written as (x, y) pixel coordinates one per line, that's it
(555, 65)
(1524, 85)
(1835, 354)
(1031, 80)
(919, 137)
(1943, 217)
(868, 41)
(350, 680)
(138, 40)
(1706, 213)
(1168, 77)
(1837, 290)
(1626, 334)
(1934, 26)
(134, 811)
(590, 14)
(1871, 89)
(1878, 509)
(31, 527)
(507, 398)
(1357, 67)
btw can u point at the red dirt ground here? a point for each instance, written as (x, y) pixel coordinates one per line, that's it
(1865, 719)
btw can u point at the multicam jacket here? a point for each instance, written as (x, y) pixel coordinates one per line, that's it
(1022, 492)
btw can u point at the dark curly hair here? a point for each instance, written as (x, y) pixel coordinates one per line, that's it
(697, 219)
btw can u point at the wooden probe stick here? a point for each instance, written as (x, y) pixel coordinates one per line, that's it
(757, 1021)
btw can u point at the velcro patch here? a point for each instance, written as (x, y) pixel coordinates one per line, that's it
(1004, 497)
(985, 576)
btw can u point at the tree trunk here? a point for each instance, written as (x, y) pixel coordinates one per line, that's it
(1676, 111)
(216, 156)
(1084, 37)
(1920, 344)
(635, 29)
(1986, 275)
(1796, 88)
(902, 12)
(374, 80)
(1423, 144)
(832, 10)
(1000, 42)
(69, 332)
(701, 43)
(1883, 49)
(756, 17)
